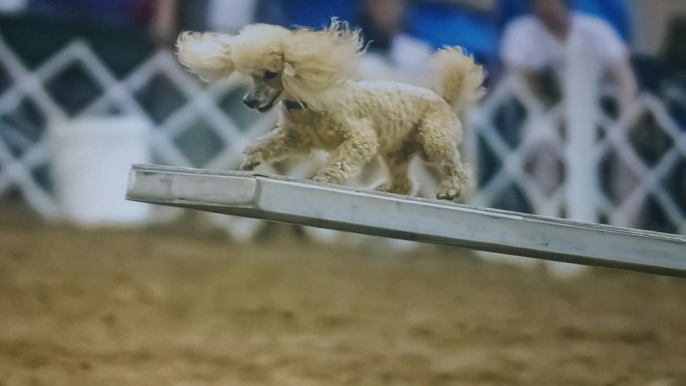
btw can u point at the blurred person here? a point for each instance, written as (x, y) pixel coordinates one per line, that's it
(542, 42)
(674, 49)
(615, 12)
(392, 54)
(674, 54)
(164, 23)
(476, 24)
(665, 74)
(121, 32)
(230, 16)
(537, 42)
(674, 60)
(162, 19)
(170, 17)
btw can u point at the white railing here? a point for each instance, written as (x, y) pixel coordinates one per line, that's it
(635, 191)
(21, 157)
(212, 114)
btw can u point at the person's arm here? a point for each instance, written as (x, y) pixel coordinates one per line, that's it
(615, 59)
(164, 22)
(476, 5)
(624, 79)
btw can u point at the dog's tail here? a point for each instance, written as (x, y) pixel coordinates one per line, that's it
(457, 78)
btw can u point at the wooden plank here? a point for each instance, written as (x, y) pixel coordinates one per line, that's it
(305, 202)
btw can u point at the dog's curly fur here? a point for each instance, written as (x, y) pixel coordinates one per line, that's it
(326, 108)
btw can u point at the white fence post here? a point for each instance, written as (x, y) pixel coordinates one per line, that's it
(580, 83)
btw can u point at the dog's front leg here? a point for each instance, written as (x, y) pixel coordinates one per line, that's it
(274, 146)
(347, 159)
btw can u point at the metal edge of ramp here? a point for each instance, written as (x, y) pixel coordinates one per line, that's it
(305, 202)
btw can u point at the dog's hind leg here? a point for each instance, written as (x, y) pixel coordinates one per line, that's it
(398, 163)
(438, 138)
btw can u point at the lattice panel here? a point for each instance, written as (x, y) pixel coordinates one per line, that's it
(193, 127)
(642, 162)
(514, 139)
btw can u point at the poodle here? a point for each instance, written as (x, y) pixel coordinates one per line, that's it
(313, 74)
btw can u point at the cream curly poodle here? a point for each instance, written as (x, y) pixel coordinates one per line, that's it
(324, 107)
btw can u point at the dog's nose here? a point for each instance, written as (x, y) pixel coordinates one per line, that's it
(250, 102)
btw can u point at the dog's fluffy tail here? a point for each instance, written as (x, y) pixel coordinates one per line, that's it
(457, 78)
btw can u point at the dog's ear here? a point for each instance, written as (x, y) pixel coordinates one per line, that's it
(317, 62)
(206, 54)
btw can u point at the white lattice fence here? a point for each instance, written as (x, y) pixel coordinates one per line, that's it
(640, 157)
(511, 126)
(519, 139)
(191, 125)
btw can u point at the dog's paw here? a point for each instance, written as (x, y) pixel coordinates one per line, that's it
(253, 158)
(321, 178)
(449, 191)
(380, 186)
(330, 175)
(251, 161)
(248, 165)
(398, 187)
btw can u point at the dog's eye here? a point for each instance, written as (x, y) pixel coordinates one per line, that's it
(270, 75)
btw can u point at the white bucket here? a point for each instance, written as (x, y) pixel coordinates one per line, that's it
(91, 158)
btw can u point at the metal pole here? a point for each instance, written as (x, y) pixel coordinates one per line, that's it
(309, 203)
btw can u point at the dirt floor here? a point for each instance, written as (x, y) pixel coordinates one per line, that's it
(176, 307)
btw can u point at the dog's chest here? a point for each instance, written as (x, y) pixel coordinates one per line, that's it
(316, 125)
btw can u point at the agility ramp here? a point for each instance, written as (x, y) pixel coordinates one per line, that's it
(305, 202)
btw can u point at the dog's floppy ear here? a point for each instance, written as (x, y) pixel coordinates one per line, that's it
(317, 62)
(206, 54)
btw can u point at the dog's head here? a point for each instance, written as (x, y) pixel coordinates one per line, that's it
(302, 64)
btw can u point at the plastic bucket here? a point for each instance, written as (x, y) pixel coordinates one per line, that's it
(91, 158)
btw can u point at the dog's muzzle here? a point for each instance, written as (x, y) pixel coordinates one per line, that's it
(253, 103)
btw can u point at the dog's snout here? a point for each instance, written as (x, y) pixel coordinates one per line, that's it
(251, 103)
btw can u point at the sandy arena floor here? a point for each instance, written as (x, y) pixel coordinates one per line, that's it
(176, 308)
